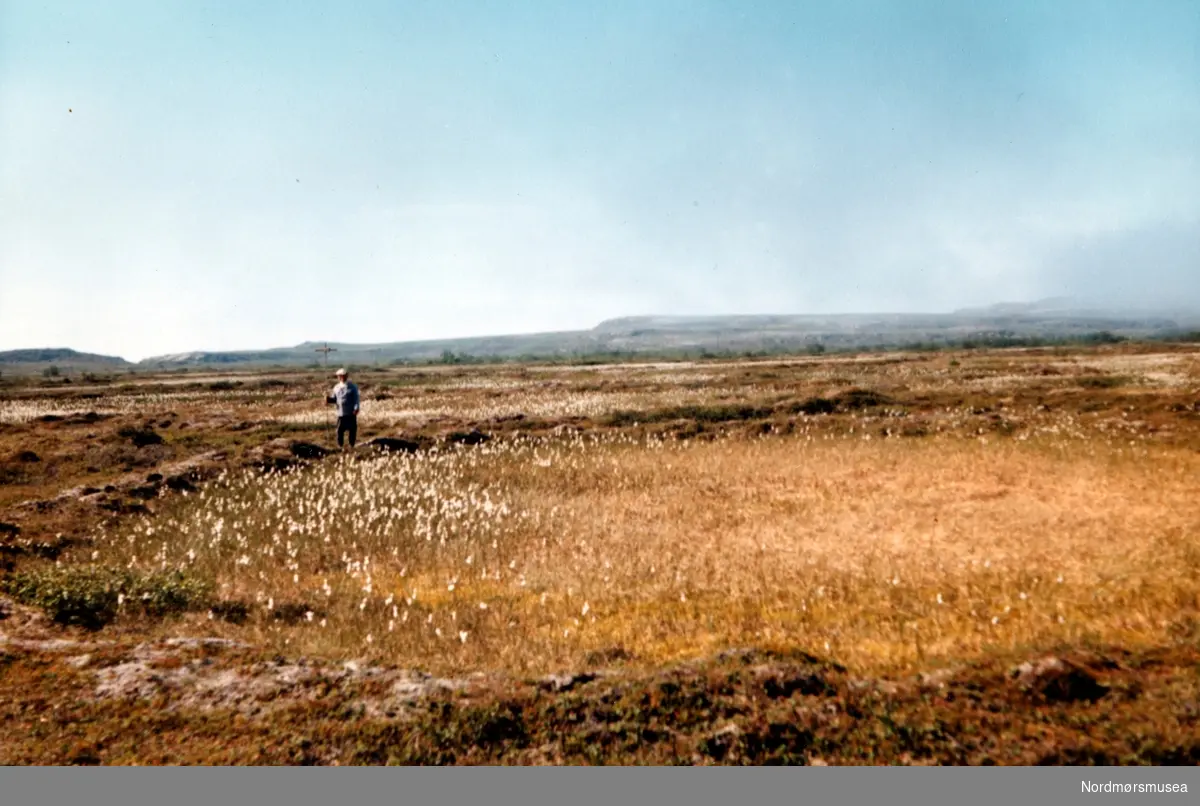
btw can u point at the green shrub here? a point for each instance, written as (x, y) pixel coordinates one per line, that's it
(92, 596)
(173, 592)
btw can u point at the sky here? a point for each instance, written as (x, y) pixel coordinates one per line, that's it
(180, 176)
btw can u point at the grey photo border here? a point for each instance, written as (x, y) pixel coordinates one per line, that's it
(61, 786)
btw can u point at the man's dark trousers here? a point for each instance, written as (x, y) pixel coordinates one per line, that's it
(347, 425)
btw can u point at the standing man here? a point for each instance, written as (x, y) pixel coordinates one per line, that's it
(345, 398)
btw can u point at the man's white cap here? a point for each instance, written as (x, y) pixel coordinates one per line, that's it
(341, 371)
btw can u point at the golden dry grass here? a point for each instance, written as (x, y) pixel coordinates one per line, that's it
(528, 556)
(881, 553)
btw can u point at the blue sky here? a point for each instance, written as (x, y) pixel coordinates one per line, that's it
(179, 176)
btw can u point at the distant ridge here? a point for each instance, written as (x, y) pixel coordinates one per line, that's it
(58, 355)
(652, 334)
(1057, 318)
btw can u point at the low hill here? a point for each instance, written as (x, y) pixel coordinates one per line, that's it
(59, 360)
(62, 355)
(665, 335)
(1046, 321)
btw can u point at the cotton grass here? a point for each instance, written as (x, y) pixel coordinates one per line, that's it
(527, 554)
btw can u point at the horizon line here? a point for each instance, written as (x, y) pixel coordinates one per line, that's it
(1076, 306)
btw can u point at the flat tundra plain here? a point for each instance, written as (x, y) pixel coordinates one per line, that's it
(955, 557)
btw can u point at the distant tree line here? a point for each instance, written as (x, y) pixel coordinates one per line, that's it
(775, 349)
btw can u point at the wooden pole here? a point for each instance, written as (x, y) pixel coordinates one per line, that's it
(327, 350)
